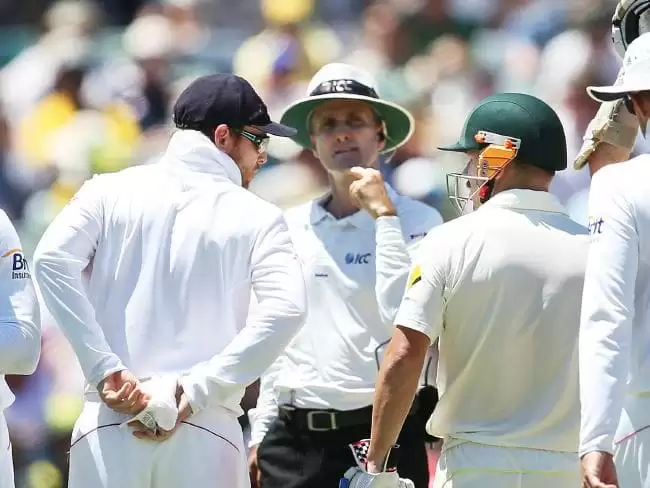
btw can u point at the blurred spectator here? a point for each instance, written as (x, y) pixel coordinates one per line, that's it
(431, 21)
(68, 25)
(120, 12)
(286, 25)
(149, 40)
(51, 113)
(18, 180)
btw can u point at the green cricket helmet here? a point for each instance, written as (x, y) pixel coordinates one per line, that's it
(504, 127)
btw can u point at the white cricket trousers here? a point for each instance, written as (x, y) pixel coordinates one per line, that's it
(6, 460)
(464, 464)
(632, 444)
(205, 451)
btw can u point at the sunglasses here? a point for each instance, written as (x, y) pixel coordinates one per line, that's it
(261, 142)
(628, 104)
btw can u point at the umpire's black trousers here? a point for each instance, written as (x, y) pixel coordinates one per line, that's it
(296, 453)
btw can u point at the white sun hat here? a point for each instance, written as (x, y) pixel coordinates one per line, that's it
(636, 76)
(339, 81)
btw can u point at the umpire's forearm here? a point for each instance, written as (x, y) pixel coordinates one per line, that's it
(396, 387)
(392, 264)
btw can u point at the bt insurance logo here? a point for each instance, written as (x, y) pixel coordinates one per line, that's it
(19, 268)
(358, 258)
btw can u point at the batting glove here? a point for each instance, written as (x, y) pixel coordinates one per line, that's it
(613, 124)
(358, 477)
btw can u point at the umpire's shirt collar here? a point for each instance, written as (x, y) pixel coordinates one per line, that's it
(360, 220)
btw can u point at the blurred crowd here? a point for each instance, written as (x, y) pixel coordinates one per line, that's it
(86, 86)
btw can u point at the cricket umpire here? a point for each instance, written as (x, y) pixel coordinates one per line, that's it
(500, 289)
(174, 250)
(354, 245)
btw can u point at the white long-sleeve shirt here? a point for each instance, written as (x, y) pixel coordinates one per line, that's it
(615, 319)
(500, 290)
(356, 270)
(175, 249)
(20, 327)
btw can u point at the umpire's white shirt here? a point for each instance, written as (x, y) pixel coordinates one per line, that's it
(615, 323)
(174, 249)
(500, 288)
(356, 271)
(20, 327)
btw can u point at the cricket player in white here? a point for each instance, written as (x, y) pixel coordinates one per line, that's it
(615, 327)
(20, 330)
(175, 251)
(500, 289)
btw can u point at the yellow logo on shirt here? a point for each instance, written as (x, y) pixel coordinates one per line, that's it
(19, 268)
(415, 276)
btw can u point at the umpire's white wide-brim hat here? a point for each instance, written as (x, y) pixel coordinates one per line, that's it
(636, 76)
(337, 81)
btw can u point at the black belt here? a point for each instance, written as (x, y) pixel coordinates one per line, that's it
(314, 420)
(324, 420)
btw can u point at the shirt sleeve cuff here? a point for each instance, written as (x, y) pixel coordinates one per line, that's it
(603, 442)
(107, 366)
(414, 325)
(258, 428)
(195, 391)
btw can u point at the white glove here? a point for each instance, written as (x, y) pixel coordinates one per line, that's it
(612, 124)
(359, 478)
(162, 411)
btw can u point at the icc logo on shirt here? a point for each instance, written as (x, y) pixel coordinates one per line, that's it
(19, 268)
(359, 258)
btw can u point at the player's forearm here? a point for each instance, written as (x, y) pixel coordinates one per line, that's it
(266, 407)
(261, 418)
(20, 328)
(222, 379)
(604, 358)
(397, 384)
(60, 280)
(279, 288)
(392, 264)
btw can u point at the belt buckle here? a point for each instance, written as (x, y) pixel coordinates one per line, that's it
(310, 421)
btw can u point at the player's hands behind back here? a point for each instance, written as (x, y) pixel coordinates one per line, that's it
(121, 392)
(160, 435)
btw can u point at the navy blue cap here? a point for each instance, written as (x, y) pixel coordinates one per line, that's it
(224, 99)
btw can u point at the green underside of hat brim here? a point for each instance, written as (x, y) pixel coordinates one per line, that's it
(399, 123)
(461, 147)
